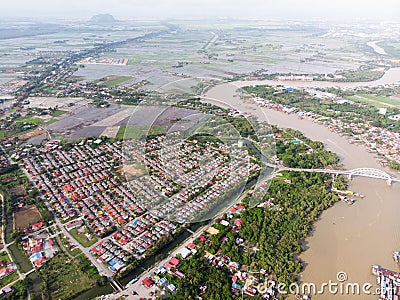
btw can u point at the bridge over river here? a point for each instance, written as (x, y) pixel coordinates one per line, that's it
(363, 172)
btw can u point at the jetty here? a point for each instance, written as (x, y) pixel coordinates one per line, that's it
(389, 282)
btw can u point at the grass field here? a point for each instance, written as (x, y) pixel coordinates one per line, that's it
(58, 113)
(50, 122)
(381, 99)
(8, 279)
(113, 80)
(67, 244)
(64, 277)
(2, 134)
(30, 120)
(376, 101)
(362, 75)
(4, 257)
(79, 235)
(11, 277)
(366, 101)
(20, 259)
(135, 132)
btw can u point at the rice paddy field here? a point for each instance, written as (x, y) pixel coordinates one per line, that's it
(177, 60)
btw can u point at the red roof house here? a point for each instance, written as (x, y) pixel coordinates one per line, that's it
(238, 222)
(174, 261)
(147, 282)
(191, 246)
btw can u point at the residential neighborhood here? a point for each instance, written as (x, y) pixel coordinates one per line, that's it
(104, 187)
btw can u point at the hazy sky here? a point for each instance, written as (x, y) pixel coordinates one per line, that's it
(133, 9)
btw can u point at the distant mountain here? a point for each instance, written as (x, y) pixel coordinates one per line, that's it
(103, 19)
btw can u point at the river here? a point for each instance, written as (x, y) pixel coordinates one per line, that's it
(392, 76)
(377, 48)
(345, 238)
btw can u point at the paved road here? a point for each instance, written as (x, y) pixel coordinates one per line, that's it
(143, 291)
(103, 270)
(3, 236)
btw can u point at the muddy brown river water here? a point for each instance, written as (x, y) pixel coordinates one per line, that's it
(346, 238)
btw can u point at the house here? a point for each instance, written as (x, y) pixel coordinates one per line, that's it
(171, 288)
(184, 252)
(174, 261)
(35, 256)
(37, 226)
(224, 222)
(168, 266)
(211, 230)
(238, 222)
(40, 261)
(191, 246)
(234, 265)
(3, 272)
(37, 248)
(202, 238)
(7, 290)
(179, 274)
(147, 282)
(250, 291)
(240, 208)
(163, 282)
(73, 224)
(236, 286)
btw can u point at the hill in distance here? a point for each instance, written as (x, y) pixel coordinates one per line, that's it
(103, 19)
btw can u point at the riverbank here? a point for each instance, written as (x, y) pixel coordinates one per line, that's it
(345, 239)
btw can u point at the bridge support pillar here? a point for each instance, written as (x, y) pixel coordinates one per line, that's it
(349, 177)
(389, 181)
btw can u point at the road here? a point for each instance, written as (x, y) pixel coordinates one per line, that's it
(21, 276)
(143, 291)
(103, 270)
(211, 41)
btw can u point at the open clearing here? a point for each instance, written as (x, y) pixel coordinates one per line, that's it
(113, 80)
(67, 103)
(31, 134)
(18, 190)
(377, 101)
(110, 132)
(11, 277)
(133, 170)
(26, 216)
(136, 132)
(381, 99)
(65, 279)
(83, 236)
(113, 120)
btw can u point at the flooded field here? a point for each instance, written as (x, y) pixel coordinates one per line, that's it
(225, 50)
(89, 121)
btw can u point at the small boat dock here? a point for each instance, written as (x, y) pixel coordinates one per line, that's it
(389, 282)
